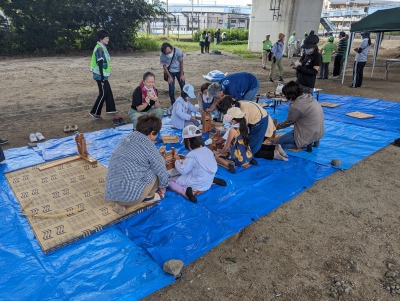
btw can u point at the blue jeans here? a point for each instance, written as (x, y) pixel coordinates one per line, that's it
(257, 133)
(287, 140)
(251, 93)
(171, 87)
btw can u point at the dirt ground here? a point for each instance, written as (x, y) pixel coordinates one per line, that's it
(338, 240)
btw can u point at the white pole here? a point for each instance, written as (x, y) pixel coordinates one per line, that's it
(167, 21)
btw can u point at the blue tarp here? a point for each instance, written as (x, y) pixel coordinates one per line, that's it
(124, 262)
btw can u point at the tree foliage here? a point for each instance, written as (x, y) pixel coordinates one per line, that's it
(60, 25)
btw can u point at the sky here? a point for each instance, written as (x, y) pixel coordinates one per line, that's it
(211, 2)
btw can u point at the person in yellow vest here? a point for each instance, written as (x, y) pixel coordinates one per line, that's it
(100, 66)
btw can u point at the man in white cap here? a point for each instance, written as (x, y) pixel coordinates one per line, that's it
(182, 109)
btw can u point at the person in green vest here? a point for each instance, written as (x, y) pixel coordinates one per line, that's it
(202, 40)
(267, 45)
(100, 66)
(327, 50)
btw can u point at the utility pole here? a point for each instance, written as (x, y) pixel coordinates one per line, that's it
(167, 21)
(192, 18)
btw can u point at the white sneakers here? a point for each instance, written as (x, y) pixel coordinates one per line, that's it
(34, 137)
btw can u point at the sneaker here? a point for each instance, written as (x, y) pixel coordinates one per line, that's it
(115, 121)
(271, 80)
(112, 112)
(32, 137)
(219, 182)
(121, 121)
(253, 162)
(95, 116)
(190, 195)
(280, 79)
(336, 76)
(3, 141)
(39, 136)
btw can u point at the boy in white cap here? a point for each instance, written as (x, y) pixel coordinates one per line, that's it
(198, 169)
(182, 109)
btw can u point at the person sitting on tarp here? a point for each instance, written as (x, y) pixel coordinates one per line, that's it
(197, 169)
(204, 99)
(136, 171)
(182, 109)
(145, 99)
(257, 120)
(236, 150)
(306, 114)
(241, 86)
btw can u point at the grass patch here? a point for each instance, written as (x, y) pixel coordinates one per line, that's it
(153, 43)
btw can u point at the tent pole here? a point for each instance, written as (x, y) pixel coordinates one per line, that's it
(350, 43)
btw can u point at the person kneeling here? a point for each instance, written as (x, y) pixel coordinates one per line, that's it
(237, 141)
(136, 170)
(182, 109)
(145, 100)
(197, 170)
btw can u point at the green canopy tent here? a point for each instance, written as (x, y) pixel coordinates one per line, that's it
(379, 22)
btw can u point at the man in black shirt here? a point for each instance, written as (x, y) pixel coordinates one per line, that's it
(309, 64)
(340, 54)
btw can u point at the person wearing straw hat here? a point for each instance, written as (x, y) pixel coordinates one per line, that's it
(182, 109)
(199, 167)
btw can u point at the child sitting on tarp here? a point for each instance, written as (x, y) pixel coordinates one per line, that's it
(197, 170)
(203, 98)
(237, 141)
(182, 109)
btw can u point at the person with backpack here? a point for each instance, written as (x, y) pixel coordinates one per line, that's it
(171, 58)
(276, 57)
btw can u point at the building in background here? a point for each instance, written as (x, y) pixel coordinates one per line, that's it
(338, 15)
(184, 19)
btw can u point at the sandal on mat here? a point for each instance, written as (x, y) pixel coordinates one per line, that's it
(39, 136)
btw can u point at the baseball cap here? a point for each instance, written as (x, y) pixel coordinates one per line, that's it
(191, 131)
(331, 39)
(189, 90)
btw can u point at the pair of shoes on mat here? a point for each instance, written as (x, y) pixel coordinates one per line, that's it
(34, 137)
(118, 120)
(70, 128)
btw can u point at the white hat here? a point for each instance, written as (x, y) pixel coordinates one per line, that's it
(189, 90)
(235, 112)
(191, 131)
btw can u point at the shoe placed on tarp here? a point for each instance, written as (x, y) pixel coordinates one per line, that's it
(39, 136)
(32, 137)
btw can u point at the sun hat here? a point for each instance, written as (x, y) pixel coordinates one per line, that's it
(310, 42)
(214, 89)
(190, 131)
(189, 90)
(235, 112)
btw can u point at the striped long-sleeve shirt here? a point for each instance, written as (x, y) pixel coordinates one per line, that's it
(342, 46)
(134, 164)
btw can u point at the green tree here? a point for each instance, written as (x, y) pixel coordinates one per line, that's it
(50, 25)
